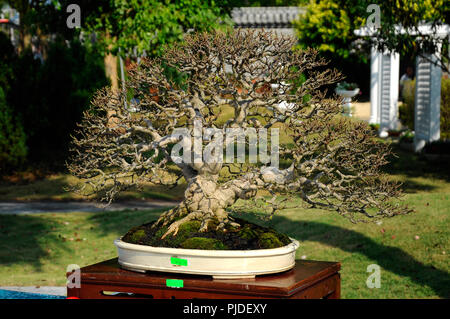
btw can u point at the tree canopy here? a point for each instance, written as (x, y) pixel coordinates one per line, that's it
(329, 26)
(145, 26)
(411, 15)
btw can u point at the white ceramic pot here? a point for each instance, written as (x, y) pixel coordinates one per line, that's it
(347, 95)
(221, 264)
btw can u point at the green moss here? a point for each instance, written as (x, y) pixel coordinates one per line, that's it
(248, 236)
(188, 228)
(247, 233)
(203, 243)
(160, 232)
(185, 231)
(137, 236)
(269, 240)
(283, 238)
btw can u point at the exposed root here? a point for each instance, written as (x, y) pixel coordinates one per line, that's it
(205, 219)
(227, 221)
(170, 215)
(174, 227)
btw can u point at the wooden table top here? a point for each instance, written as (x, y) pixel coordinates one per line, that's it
(304, 274)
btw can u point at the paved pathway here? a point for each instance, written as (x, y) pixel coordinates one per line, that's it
(67, 207)
(362, 110)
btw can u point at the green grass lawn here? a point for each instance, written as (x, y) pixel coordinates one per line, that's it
(412, 251)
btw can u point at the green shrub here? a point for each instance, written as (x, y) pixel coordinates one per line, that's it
(50, 97)
(406, 110)
(407, 136)
(328, 26)
(12, 137)
(7, 57)
(445, 109)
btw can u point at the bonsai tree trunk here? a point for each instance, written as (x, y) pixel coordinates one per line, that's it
(206, 201)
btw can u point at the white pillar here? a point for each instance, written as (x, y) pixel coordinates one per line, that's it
(427, 109)
(375, 57)
(390, 68)
(384, 80)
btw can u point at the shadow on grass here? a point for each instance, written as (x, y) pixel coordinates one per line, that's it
(410, 164)
(411, 187)
(121, 222)
(391, 258)
(24, 240)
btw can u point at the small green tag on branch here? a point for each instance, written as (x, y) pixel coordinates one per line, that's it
(174, 283)
(178, 261)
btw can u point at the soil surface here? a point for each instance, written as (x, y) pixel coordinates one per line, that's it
(247, 237)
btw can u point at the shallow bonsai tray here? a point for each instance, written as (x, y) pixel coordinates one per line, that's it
(221, 264)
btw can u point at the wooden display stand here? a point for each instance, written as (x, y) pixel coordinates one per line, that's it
(308, 279)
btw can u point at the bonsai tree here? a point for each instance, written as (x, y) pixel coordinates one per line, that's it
(221, 84)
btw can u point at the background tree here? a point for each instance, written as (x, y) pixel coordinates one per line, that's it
(327, 160)
(264, 3)
(135, 27)
(26, 9)
(47, 93)
(328, 26)
(13, 149)
(410, 15)
(37, 18)
(49, 97)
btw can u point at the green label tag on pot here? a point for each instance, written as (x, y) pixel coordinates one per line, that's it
(178, 261)
(174, 283)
